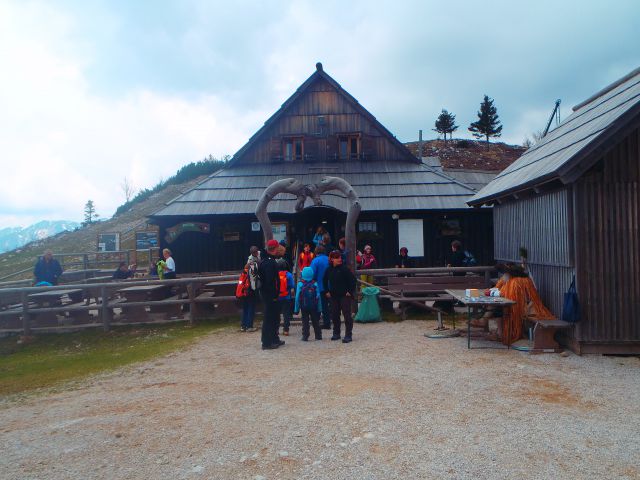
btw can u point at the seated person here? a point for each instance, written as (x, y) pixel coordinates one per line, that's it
(123, 272)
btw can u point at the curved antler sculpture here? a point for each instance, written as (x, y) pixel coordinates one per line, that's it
(314, 191)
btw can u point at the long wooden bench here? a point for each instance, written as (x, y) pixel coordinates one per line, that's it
(544, 332)
(428, 289)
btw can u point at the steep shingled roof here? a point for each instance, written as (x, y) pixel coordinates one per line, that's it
(575, 144)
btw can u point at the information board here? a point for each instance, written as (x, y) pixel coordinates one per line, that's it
(146, 240)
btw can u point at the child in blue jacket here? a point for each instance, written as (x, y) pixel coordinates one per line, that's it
(308, 302)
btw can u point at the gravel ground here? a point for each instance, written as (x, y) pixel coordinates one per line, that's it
(392, 404)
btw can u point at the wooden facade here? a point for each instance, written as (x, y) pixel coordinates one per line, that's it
(581, 216)
(322, 130)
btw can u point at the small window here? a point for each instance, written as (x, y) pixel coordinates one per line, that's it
(349, 147)
(292, 149)
(367, 227)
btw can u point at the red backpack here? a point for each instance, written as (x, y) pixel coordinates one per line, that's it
(283, 291)
(244, 285)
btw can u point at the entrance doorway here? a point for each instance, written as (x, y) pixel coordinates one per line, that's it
(306, 223)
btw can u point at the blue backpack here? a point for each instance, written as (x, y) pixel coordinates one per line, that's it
(469, 259)
(309, 296)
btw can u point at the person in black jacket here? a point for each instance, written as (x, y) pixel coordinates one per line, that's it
(456, 259)
(340, 286)
(270, 290)
(47, 269)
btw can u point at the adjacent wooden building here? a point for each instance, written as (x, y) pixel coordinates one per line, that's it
(322, 130)
(573, 200)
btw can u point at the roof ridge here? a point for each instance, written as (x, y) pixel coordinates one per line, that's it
(607, 89)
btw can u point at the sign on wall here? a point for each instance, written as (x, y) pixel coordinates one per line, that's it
(146, 240)
(411, 236)
(174, 232)
(108, 242)
(279, 231)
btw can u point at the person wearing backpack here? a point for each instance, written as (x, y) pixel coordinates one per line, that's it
(340, 287)
(308, 304)
(286, 294)
(247, 297)
(457, 257)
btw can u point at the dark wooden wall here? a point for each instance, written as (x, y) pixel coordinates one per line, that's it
(607, 203)
(320, 141)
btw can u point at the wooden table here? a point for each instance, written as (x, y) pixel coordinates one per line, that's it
(142, 293)
(223, 288)
(482, 301)
(53, 298)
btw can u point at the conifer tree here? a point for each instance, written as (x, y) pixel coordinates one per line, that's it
(446, 123)
(488, 124)
(89, 213)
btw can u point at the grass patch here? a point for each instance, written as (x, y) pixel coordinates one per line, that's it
(51, 359)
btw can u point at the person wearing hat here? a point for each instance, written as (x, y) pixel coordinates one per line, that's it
(270, 290)
(340, 287)
(308, 304)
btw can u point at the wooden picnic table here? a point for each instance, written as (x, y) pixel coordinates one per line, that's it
(481, 301)
(53, 298)
(142, 293)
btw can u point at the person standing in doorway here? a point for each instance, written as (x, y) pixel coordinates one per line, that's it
(317, 238)
(319, 266)
(340, 287)
(270, 290)
(305, 258)
(456, 258)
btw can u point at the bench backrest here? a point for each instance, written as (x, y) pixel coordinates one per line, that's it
(435, 283)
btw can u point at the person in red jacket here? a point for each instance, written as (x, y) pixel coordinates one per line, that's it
(305, 257)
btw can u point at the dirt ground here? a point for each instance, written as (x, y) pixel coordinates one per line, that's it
(392, 404)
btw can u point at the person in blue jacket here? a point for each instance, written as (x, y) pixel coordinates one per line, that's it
(309, 304)
(47, 269)
(319, 266)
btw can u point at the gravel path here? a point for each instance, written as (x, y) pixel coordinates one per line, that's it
(392, 404)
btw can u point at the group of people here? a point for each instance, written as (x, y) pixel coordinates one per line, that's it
(324, 293)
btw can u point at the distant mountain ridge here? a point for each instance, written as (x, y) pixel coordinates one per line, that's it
(15, 237)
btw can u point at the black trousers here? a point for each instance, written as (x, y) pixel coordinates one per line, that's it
(270, 322)
(341, 304)
(314, 316)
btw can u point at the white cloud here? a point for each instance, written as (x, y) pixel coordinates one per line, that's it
(64, 145)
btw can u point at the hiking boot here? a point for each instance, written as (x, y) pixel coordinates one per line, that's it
(318, 337)
(270, 347)
(279, 343)
(335, 337)
(347, 339)
(305, 339)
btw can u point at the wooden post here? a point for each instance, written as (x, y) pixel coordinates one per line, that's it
(128, 258)
(85, 261)
(193, 312)
(105, 313)
(26, 320)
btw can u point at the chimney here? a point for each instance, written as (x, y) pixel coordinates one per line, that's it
(420, 144)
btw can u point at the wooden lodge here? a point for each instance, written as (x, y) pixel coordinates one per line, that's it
(573, 200)
(322, 130)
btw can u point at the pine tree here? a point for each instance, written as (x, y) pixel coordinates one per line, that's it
(89, 213)
(488, 124)
(446, 123)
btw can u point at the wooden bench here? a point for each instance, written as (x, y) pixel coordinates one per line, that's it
(544, 332)
(428, 289)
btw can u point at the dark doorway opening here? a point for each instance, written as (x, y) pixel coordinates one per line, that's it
(306, 223)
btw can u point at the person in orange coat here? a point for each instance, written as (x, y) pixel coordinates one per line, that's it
(305, 258)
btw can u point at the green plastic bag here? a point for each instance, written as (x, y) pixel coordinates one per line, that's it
(369, 310)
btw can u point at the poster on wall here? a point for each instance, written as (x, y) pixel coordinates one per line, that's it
(174, 232)
(279, 231)
(108, 242)
(146, 240)
(411, 236)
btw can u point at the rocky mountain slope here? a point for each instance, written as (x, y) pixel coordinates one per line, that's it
(15, 237)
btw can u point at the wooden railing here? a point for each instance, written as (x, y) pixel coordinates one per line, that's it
(17, 304)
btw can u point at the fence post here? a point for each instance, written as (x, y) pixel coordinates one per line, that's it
(105, 313)
(85, 261)
(26, 320)
(128, 258)
(191, 290)
(487, 277)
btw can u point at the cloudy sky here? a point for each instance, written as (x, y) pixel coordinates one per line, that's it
(92, 92)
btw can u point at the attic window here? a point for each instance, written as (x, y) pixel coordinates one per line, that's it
(349, 147)
(293, 149)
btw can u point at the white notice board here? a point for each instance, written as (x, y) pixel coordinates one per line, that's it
(410, 235)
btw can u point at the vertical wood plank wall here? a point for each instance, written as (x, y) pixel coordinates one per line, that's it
(608, 245)
(542, 225)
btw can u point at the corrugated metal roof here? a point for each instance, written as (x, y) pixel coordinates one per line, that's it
(380, 186)
(569, 142)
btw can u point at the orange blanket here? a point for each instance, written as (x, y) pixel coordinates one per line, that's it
(528, 305)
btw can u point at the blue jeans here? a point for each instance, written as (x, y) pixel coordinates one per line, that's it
(248, 312)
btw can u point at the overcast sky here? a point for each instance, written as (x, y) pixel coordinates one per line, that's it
(92, 92)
